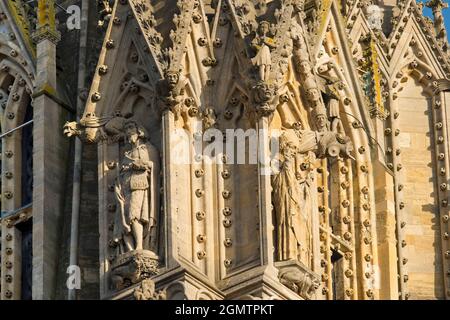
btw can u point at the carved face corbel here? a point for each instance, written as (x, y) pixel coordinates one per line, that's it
(172, 79)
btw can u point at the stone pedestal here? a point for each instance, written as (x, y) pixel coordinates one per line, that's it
(133, 267)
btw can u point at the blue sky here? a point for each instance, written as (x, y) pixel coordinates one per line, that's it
(427, 12)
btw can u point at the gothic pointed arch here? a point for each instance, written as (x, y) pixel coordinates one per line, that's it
(16, 87)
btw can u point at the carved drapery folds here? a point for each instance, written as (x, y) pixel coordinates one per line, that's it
(298, 152)
(294, 198)
(291, 196)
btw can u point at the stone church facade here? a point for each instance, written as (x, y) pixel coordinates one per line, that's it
(224, 149)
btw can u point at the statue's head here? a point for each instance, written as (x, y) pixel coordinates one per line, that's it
(313, 94)
(297, 125)
(299, 5)
(90, 122)
(321, 121)
(304, 66)
(287, 147)
(263, 28)
(133, 131)
(312, 91)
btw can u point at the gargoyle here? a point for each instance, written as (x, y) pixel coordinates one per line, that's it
(89, 129)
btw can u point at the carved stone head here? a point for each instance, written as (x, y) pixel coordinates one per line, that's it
(172, 78)
(321, 121)
(91, 123)
(313, 94)
(304, 67)
(312, 91)
(287, 147)
(264, 92)
(71, 129)
(299, 5)
(133, 131)
(263, 28)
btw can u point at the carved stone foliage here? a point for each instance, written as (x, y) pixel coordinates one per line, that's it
(132, 268)
(143, 11)
(105, 10)
(441, 34)
(147, 291)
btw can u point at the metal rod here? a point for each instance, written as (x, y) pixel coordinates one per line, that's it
(15, 129)
(76, 192)
(6, 214)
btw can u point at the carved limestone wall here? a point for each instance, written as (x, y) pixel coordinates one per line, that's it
(180, 217)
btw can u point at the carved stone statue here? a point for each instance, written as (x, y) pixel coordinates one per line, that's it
(262, 44)
(293, 197)
(135, 189)
(286, 198)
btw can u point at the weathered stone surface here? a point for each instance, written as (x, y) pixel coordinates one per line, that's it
(347, 200)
